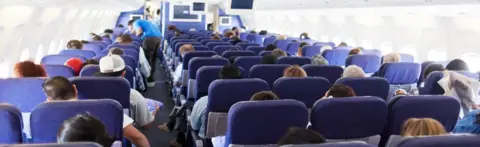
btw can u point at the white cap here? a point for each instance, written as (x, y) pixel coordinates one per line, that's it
(111, 63)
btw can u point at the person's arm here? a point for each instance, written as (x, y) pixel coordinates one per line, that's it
(135, 136)
(139, 31)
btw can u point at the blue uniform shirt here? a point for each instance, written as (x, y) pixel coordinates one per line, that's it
(149, 29)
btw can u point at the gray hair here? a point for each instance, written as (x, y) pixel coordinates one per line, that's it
(353, 71)
(391, 58)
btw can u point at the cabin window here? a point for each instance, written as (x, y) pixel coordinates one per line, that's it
(336, 40)
(366, 44)
(25, 55)
(4, 69)
(324, 39)
(386, 47)
(472, 60)
(434, 55)
(38, 57)
(61, 45)
(52, 48)
(410, 49)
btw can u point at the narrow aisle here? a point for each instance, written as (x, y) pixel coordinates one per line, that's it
(160, 92)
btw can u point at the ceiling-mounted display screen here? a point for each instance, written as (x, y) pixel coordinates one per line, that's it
(198, 6)
(242, 4)
(183, 13)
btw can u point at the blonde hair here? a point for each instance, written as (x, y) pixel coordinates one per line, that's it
(355, 51)
(391, 58)
(294, 71)
(422, 127)
(186, 48)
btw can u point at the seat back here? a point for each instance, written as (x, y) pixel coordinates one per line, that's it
(307, 90)
(10, 124)
(332, 73)
(331, 44)
(88, 54)
(244, 46)
(204, 42)
(401, 73)
(74, 144)
(292, 47)
(310, 51)
(269, 40)
(371, 86)
(92, 47)
(220, 49)
(336, 144)
(353, 118)
(442, 141)
(259, 39)
(263, 53)
(47, 117)
(255, 49)
(123, 46)
(251, 37)
(201, 48)
(115, 88)
(282, 44)
(205, 76)
(431, 86)
(24, 93)
(188, 56)
(369, 63)
(407, 58)
(247, 62)
(197, 63)
(212, 45)
(246, 121)
(423, 65)
(59, 70)
(372, 52)
(59, 59)
(269, 73)
(294, 60)
(229, 54)
(126, 52)
(336, 56)
(90, 70)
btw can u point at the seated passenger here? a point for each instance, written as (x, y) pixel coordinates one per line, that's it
(318, 59)
(235, 40)
(470, 123)
(114, 66)
(429, 69)
(253, 32)
(90, 62)
(304, 36)
(144, 68)
(355, 51)
(279, 53)
(297, 135)
(116, 51)
(28, 69)
(388, 58)
(269, 59)
(177, 76)
(76, 64)
(229, 34)
(108, 32)
(95, 37)
(74, 44)
(422, 127)
(215, 37)
(61, 89)
(281, 37)
(339, 91)
(84, 128)
(457, 65)
(270, 47)
(294, 71)
(342, 44)
(130, 29)
(263, 32)
(300, 49)
(353, 71)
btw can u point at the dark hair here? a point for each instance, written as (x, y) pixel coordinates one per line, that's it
(432, 68)
(279, 53)
(253, 32)
(457, 65)
(232, 59)
(263, 32)
(90, 62)
(235, 40)
(96, 38)
(340, 90)
(296, 135)
(110, 74)
(84, 127)
(230, 71)
(59, 88)
(216, 37)
(74, 44)
(109, 31)
(130, 22)
(304, 35)
(477, 118)
(116, 51)
(29, 69)
(264, 96)
(120, 26)
(171, 27)
(158, 11)
(303, 44)
(124, 39)
(270, 47)
(234, 28)
(269, 59)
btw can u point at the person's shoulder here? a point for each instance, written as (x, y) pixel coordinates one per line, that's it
(135, 93)
(127, 120)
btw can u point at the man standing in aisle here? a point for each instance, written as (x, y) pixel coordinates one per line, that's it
(151, 43)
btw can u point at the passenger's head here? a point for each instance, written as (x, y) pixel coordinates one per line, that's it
(353, 71)
(340, 90)
(392, 58)
(171, 27)
(318, 59)
(59, 89)
(215, 37)
(269, 59)
(281, 37)
(253, 32)
(116, 51)
(279, 53)
(263, 32)
(294, 71)
(124, 39)
(264, 96)
(303, 44)
(108, 31)
(457, 65)
(235, 38)
(28, 69)
(130, 25)
(74, 44)
(304, 35)
(184, 49)
(297, 135)
(230, 71)
(432, 68)
(84, 128)
(342, 44)
(270, 47)
(229, 34)
(300, 49)
(355, 51)
(75, 64)
(90, 62)
(111, 66)
(422, 127)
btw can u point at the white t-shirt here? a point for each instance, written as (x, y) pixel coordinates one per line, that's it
(126, 121)
(140, 112)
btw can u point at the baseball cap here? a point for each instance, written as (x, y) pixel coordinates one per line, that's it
(76, 64)
(111, 65)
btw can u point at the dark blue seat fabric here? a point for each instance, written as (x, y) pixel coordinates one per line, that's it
(198, 62)
(269, 119)
(263, 53)
(115, 88)
(229, 54)
(294, 60)
(10, 124)
(84, 53)
(349, 118)
(332, 73)
(90, 70)
(92, 47)
(338, 144)
(24, 93)
(124, 46)
(188, 56)
(205, 76)
(259, 39)
(126, 52)
(442, 141)
(407, 58)
(401, 73)
(180, 44)
(204, 42)
(310, 51)
(336, 56)
(212, 45)
(244, 46)
(372, 52)
(201, 48)
(176, 43)
(307, 90)
(269, 73)
(250, 38)
(247, 62)
(369, 63)
(200, 39)
(269, 40)
(422, 71)
(219, 90)
(292, 47)
(220, 49)
(59, 59)
(243, 36)
(255, 49)
(47, 118)
(324, 43)
(431, 86)
(59, 70)
(176, 38)
(372, 86)
(75, 144)
(282, 44)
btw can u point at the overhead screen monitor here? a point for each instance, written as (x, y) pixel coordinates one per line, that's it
(183, 13)
(198, 8)
(225, 20)
(239, 7)
(136, 16)
(242, 4)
